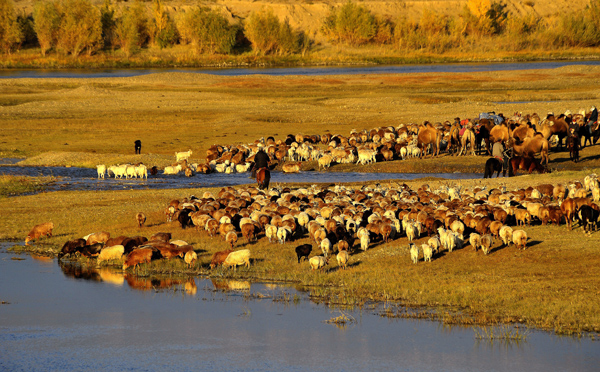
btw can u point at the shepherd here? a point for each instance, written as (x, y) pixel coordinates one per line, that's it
(138, 147)
(260, 171)
(503, 155)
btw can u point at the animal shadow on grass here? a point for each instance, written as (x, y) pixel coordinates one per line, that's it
(532, 243)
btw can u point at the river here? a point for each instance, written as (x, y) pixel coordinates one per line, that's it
(308, 71)
(69, 318)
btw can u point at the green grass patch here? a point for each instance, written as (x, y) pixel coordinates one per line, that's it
(16, 185)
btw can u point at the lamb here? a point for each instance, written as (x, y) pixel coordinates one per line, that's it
(190, 258)
(506, 233)
(342, 259)
(111, 253)
(179, 156)
(427, 252)
(326, 247)
(318, 262)
(43, 229)
(101, 169)
(241, 257)
(486, 243)
(140, 218)
(520, 239)
(303, 251)
(414, 253)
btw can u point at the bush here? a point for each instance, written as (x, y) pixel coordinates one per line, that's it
(268, 35)
(109, 24)
(351, 23)
(80, 27)
(10, 32)
(162, 29)
(208, 31)
(131, 32)
(46, 22)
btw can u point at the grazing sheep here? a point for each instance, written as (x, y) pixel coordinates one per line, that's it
(138, 256)
(414, 253)
(520, 239)
(248, 232)
(475, 240)
(190, 258)
(219, 257)
(486, 243)
(283, 233)
(364, 242)
(427, 252)
(320, 234)
(342, 259)
(343, 245)
(318, 262)
(411, 231)
(326, 247)
(303, 220)
(271, 232)
(457, 227)
(434, 243)
(99, 237)
(140, 218)
(101, 169)
(111, 253)
(506, 233)
(161, 236)
(241, 257)
(231, 238)
(303, 251)
(70, 247)
(43, 229)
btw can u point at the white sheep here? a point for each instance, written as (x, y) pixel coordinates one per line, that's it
(411, 231)
(271, 232)
(317, 262)
(506, 233)
(283, 233)
(427, 252)
(179, 156)
(101, 169)
(342, 259)
(434, 243)
(141, 171)
(364, 241)
(111, 253)
(475, 240)
(326, 247)
(520, 239)
(486, 243)
(172, 169)
(414, 253)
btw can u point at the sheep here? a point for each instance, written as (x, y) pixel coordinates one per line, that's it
(475, 240)
(248, 232)
(318, 262)
(140, 218)
(141, 171)
(283, 233)
(486, 243)
(427, 252)
(179, 243)
(326, 247)
(342, 259)
(458, 227)
(231, 238)
(320, 234)
(519, 238)
(101, 169)
(190, 258)
(111, 253)
(241, 257)
(138, 256)
(414, 253)
(219, 257)
(271, 232)
(43, 229)
(70, 247)
(303, 251)
(303, 220)
(411, 231)
(506, 233)
(179, 156)
(364, 241)
(172, 169)
(434, 243)
(161, 236)
(99, 237)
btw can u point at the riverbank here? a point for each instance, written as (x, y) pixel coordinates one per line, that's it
(551, 285)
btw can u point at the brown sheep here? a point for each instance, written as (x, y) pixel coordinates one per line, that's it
(99, 237)
(140, 218)
(160, 236)
(231, 238)
(495, 228)
(249, 232)
(522, 216)
(138, 256)
(115, 241)
(43, 229)
(219, 257)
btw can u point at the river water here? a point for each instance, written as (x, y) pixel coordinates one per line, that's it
(307, 71)
(69, 318)
(72, 178)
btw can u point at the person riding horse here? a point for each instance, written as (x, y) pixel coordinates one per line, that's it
(502, 154)
(261, 160)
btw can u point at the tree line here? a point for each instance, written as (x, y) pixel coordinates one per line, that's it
(75, 27)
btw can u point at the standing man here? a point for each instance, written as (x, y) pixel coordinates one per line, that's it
(138, 147)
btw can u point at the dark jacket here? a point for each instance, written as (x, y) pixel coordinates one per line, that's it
(594, 116)
(261, 159)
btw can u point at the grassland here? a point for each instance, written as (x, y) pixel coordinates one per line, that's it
(551, 285)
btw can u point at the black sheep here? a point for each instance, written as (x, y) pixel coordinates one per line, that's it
(71, 247)
(303, 251)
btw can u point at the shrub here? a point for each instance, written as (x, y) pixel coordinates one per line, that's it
(162, 29)
(80, 27)
(46, 22)
(351, 23)
(208, 31)
(109, 24)
(268, 35)
(10, 32)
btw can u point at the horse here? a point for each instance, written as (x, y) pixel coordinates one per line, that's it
(573, 143)
(263, 177)
(527, 163)
(493, 165)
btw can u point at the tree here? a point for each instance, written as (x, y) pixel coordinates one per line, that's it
(80, 27)
(46, 22)
(208, 30)
(268, 35)
(10, 31)
(351, 23)
(164, 32)
(132, 29)
(107, 19)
